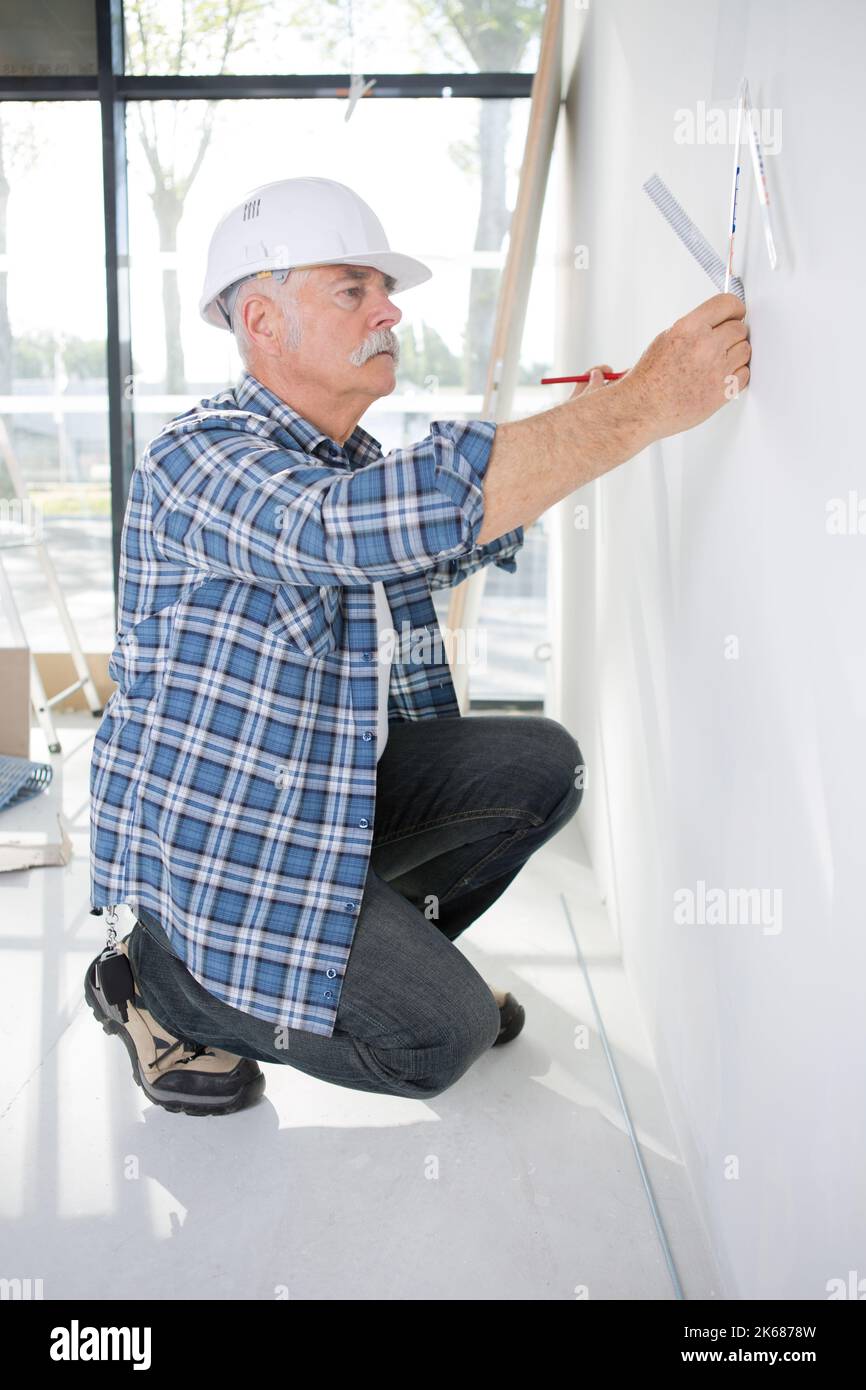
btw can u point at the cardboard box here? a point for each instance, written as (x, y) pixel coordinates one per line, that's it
(15, 701)
(35, 832)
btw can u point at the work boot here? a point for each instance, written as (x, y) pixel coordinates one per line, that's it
(512, 1017)
(176, 1073)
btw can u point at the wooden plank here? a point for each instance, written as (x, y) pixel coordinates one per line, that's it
(464, 609)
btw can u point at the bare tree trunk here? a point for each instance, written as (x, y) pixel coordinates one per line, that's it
(493, 223)
(169, 209)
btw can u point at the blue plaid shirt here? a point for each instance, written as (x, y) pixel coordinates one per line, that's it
(233, 780)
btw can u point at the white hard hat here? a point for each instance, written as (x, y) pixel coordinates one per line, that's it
(298, 222)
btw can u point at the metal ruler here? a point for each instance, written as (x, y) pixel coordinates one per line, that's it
(693, 240)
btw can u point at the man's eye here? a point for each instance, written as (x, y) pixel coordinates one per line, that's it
(354, 289)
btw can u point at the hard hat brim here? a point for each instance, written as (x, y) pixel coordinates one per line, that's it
(407, 271)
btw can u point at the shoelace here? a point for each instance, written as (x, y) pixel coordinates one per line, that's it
(194, 1049)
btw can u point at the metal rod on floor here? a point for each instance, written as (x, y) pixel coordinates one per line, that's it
(669, 1259)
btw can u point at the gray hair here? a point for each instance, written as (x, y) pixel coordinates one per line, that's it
(284, 295)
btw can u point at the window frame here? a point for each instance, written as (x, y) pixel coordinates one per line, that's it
(113, 89)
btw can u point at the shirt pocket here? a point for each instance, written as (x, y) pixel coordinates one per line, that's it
(307, 617)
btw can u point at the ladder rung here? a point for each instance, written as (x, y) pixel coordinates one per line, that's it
(63, 693)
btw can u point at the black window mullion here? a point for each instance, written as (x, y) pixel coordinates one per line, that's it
(121, 446)
(500, 85)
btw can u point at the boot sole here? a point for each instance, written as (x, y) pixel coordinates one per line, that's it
(179, 1105)
(512, 1018)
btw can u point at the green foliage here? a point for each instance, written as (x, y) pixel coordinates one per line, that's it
(71, 500)
(487, 35)
(33, 355)
(82, 359)
(493, 33)
(531, 375)
(199, 37)
(434, 359)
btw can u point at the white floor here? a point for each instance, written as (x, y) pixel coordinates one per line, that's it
(519, 1182)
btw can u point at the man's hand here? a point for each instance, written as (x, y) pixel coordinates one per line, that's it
(684, 376)
(596, 380)
(691, 369)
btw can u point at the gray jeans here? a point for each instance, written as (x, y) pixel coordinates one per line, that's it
(461, 804)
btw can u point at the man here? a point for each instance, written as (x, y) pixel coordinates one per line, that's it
(302, 827)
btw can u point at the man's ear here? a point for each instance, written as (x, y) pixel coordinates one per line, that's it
(258, 316)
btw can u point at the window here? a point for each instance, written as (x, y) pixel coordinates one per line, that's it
(204, 103)
(53, 397)
(332, 36)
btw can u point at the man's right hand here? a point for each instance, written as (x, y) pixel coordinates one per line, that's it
(684, 376)
(691, 369)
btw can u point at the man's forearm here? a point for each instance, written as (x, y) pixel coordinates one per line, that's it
(537, 461)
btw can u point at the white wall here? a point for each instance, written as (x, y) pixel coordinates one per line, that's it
(745, 773)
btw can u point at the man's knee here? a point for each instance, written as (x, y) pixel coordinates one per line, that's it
(564, 766)
(435, 1069)
(471, 1043)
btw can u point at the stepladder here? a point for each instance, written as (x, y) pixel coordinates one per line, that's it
(21, 526)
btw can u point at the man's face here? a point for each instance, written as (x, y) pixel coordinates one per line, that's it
(347, 340)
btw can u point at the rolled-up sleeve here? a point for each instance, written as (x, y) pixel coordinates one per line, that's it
(230, 503)
(501, 552)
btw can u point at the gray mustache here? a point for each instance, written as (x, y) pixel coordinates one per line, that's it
(385, 341)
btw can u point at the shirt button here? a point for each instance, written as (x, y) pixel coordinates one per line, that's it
(367, 735)
(363, 822)
(330, 973)
(329, 994)
(350, 906)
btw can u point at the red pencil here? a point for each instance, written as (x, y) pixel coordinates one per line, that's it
(554, 380)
